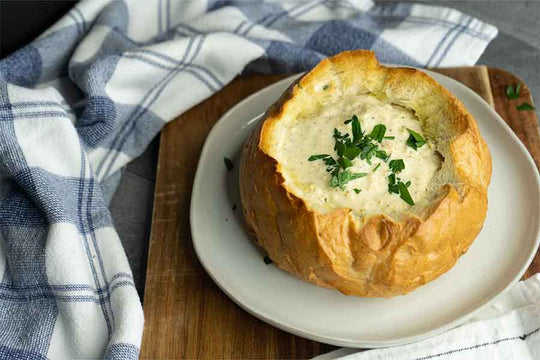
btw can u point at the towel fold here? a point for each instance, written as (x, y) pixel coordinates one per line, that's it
(86, 97)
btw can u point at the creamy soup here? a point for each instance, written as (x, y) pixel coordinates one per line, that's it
(296, 140)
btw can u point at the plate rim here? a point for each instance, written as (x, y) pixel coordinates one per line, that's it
(262, 315)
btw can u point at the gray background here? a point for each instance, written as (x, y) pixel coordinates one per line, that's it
(516, 49)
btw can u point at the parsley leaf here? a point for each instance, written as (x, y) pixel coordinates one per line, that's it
(368, 151)
(513, 93)
(392, 186)
(415, 140)
(344, 177)
(378, 132)
(339, 136)
(381, 154)
(525, 106)
(228, 163)
(404, 193)
(334, 182)
(351, 151)
(396, 165)
(339, 147)
(356, 129)
(354, 117)
(344, 162)
(355, 176)
(318, 157)
(331, 164)
(357, 191)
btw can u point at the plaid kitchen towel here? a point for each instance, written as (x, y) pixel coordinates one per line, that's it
(507, 329)
(87, 96)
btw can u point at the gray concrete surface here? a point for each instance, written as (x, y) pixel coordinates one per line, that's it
(516, 49)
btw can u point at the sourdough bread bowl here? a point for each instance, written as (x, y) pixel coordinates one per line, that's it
(368, 179)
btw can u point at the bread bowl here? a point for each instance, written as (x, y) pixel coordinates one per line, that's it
(368, 179)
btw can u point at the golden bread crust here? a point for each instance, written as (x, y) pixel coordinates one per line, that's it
(376, 256)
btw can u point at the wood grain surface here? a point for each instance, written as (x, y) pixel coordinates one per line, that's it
(186, 315)
(523, 123)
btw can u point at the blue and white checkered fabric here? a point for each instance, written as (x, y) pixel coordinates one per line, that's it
(87, 97)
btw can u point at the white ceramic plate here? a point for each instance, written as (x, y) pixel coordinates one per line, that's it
(498, 257)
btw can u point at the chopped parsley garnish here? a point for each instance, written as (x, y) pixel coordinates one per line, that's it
(354, 117)
(392, 186)
(415, 140)
(331, 165)
(339, 178)
(513, 93)
(228, 163)
(339, 136)
(366, 147)
(334, 182)
(396, 186)
(339, 147)
(404, 193)
(356, 129)
(344, 162)
(344, 177)
(525, 106)
(317, 157)
(368, 152)
(326, 87)
(350, 151)
(396, 165)
(381, 154)
(355, 176)
(267, 260)
(378, 132)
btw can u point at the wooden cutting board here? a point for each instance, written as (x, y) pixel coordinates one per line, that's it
(186, 315)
